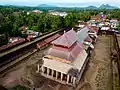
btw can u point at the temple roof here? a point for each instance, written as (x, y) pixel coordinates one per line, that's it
(67, 54)
(67, 39)
(65, 67)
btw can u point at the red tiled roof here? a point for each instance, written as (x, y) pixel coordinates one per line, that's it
(47, 41)
(83, 23)
(50, 39)
(67, 39)
(21, 40)
(65, 53)
(114, 19)
(94, 28)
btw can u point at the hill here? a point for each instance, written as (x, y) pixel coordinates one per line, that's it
(91, 7)
(107, 6)
(46, 5)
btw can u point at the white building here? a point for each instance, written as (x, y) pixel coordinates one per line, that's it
(37, 11)
(62, 14)
(114, 23)
(105, 28)
(65, 60)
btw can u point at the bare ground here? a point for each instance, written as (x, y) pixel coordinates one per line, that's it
(96, 75)
(13, 76)
(97, 72)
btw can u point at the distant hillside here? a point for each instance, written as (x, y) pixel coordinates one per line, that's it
(103, 6)
(107, 6)
(91, 7)
(46, 5)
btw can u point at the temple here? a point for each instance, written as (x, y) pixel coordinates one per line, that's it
(65, 60)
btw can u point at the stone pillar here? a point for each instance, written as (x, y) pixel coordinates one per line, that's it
(74, 80)
(42, 68)
(71, 79)
(52, 72)
(61, 76)
(38, 68)
(48, 71)
(68, 79)
(56, 74)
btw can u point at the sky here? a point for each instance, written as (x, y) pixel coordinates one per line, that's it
(60, 2)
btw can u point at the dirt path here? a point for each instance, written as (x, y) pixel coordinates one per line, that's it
(97, 72)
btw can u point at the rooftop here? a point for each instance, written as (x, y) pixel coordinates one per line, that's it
(65, 53)
(67, 39)
(82, 34)
(64, 67)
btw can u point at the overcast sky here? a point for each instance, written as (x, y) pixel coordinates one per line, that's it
(80, 2)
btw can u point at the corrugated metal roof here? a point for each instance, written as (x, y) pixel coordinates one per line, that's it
(82, 34)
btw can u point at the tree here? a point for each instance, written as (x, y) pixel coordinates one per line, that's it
(119, 27)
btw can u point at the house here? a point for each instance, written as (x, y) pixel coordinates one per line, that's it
(65, 60)
(114, 23)
(105, 27)
(82, 24)
(96, 18)
(32, 34)
(99, 18)
(103, 23)
(106, 30)
(12, 42)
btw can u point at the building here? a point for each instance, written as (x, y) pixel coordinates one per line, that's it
(103, 23)
(114, 23)
(106, 30)
(82, 24)
(105, 27)
(13, 41)
(92, 32)
(84, 38)
(37, 11)
(62, 14)
(65, 60)
(98, 18)
(32, 34)
(34, 11)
